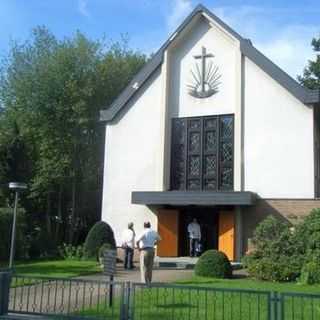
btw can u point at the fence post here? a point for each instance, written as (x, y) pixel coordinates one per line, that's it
(125, 305)
(5, 279)
(276, 306)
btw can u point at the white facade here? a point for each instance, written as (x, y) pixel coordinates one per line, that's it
(131, 151)
(278, 131)
(273, 147)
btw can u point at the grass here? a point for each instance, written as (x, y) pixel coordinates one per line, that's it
(195, 298)
(57, 268)
(64, 269)
(205, 298)
(184, 303)
(250, 284)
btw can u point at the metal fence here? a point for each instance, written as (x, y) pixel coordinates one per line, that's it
(299, 306)
(72, 298)
(85, 299)
(181, 302)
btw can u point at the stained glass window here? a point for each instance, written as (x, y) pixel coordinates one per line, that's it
(202, 153)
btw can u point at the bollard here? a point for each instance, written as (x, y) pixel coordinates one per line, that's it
(5, 279)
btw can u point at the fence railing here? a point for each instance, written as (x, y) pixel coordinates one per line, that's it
(66, 297)
(299, 306)
(187, 302)
(86, 299)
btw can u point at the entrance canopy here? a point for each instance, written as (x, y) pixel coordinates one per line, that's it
(201, 198)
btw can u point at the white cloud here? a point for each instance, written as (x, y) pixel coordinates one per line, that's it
(290, 48)
(83, 8)
(287, 45)
(180, 9)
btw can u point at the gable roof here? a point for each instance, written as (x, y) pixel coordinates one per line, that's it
(303, 94)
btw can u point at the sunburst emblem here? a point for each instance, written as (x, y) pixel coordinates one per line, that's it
(205, 82)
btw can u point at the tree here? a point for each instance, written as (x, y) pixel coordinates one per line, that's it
(53, 90)
(311, 74)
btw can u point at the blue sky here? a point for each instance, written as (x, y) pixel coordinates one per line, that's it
(280, 29)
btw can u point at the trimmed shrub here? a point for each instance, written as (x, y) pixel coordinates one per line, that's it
(213, 264)
(98, 235)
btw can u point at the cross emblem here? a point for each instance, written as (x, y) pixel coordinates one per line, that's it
(206, 78)
(203, 56)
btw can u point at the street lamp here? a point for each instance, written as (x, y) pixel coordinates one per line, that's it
(17, 187)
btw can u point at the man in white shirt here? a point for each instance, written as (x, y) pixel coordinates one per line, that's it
(146, 242)
(194, 236)
(128, 237)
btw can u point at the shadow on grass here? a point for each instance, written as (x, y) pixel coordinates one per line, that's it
(175, 305)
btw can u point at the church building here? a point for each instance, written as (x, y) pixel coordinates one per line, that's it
(210, 129)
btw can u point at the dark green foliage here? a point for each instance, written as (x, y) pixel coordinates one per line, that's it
(266, 268)
(51, 92)
(311, 74)
(275, 256)
(22, 242)
(310, 273)
(307, 235)
(283, 253)
(101, 233)
(214, 264)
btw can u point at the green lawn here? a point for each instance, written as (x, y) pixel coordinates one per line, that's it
(205, 298)
(195, 298)
(57, 268)
(250, 284)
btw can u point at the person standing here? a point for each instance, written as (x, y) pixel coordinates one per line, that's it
(146, 242)
(194, 236)
(128, 241)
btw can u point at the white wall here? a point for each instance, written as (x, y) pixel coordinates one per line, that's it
(131, 151)
(181, 61)
(278, 139)
(227, 57)
(278, 142)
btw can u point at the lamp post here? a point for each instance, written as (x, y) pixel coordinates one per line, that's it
(17, 187)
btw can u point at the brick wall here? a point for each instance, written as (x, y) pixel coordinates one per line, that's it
(288, 210)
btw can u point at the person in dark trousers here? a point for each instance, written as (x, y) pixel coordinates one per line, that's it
(128, 242)
(194, 236)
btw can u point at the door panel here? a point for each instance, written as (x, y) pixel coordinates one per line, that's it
(168, 229)
(226, 233)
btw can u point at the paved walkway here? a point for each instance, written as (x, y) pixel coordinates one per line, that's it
(159, 275)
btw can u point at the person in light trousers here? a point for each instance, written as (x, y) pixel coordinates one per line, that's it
(146, 242)
(194, 236)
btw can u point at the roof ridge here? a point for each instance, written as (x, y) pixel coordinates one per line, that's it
(305, 95)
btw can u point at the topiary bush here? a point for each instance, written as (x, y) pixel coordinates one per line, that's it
(101, 233)
(213, 264)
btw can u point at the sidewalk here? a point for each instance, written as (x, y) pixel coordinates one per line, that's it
(159, 275)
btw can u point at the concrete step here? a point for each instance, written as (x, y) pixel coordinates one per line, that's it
(181, 263)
